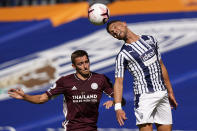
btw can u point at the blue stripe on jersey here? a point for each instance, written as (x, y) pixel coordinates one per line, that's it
(161, 76)
(120, 65)
(142, 66)
(144, 44)
(138, 89)
(144, 37)
(141, 59)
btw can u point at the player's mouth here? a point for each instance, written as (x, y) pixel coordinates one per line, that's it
(85, 70)
(119, 34)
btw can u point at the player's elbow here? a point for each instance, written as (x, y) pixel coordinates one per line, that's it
(43, 98)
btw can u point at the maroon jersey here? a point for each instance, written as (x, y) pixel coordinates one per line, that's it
(81, 99)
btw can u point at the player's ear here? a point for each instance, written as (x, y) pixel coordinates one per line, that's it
(73, 65)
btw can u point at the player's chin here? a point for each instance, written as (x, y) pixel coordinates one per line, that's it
(86, 72)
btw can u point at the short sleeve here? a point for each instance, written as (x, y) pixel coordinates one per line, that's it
(108, 86)
(120, 65)
(56, 89)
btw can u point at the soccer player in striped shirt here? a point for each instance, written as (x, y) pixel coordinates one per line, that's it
(82, 94)
(153, 92)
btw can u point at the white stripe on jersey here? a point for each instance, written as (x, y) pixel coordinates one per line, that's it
(139, 76)
(132, 68)
(157, 81)
(136, 49)
(120, 67)
(159, 78)
(142, 46)
(139, 47)
(152, 76)
(144, 42)
(140, 58)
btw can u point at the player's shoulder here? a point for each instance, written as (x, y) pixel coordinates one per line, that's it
(122, 49)
(148, 38)
(65, 78)
(98, 75)
(101, 78)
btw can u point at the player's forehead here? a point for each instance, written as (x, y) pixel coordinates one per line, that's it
(115, 24)
(81, 59)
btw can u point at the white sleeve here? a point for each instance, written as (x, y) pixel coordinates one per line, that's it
(120, 66)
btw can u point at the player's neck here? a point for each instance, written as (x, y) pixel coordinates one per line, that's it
(83, 76)
(131, 37)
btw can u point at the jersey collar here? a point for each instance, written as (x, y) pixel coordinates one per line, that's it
(76, 77)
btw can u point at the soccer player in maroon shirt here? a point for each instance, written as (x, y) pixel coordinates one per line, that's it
(82, 93)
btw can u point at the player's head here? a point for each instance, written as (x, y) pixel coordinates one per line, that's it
(80, 62)
(117, 29)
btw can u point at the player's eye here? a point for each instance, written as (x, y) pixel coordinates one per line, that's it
(87, 61)
(79, 64)
(114, 27)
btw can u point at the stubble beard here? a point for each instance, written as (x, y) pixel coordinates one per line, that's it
(85, 75)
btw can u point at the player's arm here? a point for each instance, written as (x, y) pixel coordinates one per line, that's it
(121, 63)
(109, 91)
(36, 99)
(168, 85)
(118, 91)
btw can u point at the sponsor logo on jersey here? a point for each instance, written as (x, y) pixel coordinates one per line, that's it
(84, 98)
(131, 50)
(91, 96)
(147, 55)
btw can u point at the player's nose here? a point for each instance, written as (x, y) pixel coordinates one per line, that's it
(84, 66)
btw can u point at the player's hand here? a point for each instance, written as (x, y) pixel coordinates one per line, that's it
(108, 104)
(17, 93)
(121, 117)
(172, 100)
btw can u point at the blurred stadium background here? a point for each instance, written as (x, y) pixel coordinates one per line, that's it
(38, 36)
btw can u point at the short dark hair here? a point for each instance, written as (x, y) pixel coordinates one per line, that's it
(78, 53)
(109, 23)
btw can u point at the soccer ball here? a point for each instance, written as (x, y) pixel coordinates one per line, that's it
(98, 14)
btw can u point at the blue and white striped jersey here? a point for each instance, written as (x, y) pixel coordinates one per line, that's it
(141, 58)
